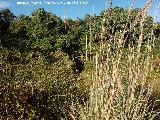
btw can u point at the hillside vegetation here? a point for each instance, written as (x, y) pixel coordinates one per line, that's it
(104, 67)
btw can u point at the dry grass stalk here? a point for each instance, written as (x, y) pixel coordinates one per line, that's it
(119, 90)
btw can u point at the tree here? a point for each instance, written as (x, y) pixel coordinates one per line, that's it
(6, 16)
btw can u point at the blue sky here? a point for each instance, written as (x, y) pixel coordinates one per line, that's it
(71, 10)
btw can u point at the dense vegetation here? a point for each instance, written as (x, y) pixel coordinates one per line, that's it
(47, 63)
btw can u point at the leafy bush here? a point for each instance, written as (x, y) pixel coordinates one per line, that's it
(38, 90)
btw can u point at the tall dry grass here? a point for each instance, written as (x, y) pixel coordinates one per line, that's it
(119, 89)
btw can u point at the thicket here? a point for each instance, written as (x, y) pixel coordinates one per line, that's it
(99, 67)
